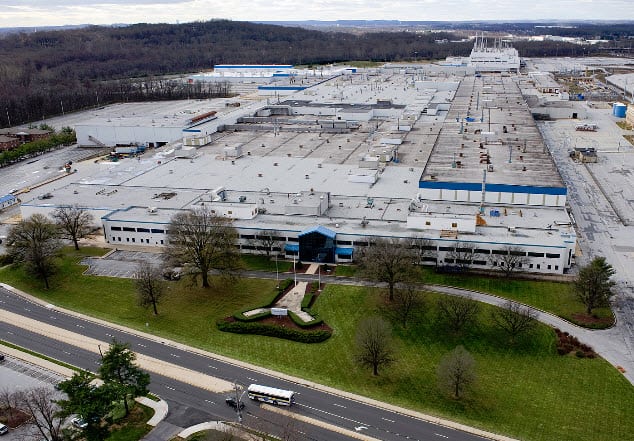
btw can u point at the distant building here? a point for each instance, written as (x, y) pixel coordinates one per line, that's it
(8, 142)
(26, 135)
(7, 201)
(499, 58)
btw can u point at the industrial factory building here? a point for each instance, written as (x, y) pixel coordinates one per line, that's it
(437, 153)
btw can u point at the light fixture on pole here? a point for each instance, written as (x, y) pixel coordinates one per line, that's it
(294, 270)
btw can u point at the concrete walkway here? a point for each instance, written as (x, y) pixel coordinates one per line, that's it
(204, 380)
(292, 300)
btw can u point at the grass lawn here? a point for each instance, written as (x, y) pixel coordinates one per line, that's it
(526, 391)
(345, 270)
(263, 263)
(133, 427)
(555, 297)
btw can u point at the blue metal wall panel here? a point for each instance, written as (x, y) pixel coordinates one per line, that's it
(502, 188)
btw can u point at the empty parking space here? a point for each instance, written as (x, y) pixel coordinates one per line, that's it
(120, 263)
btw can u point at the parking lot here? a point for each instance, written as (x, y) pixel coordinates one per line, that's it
(119, 263)
(19, 375)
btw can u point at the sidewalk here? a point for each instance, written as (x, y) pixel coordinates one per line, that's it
(604, 342)
(205, 380)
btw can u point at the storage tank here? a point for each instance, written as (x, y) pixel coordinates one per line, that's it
(619, 110)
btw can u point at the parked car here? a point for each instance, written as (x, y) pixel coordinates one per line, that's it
(231, 401)
(3, 429)
(79, 423)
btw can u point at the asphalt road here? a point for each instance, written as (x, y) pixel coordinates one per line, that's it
(190, 405)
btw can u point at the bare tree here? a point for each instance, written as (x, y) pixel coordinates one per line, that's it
(462, 255)
(200, 241)
(425, 249)
(408, 302)
(45, 414)
(35, 243)
(457, 311)
(74, 222)
(374, 345)
(514, 319)
(513, 257)
(267, 241)
(9, 400)
(150, 285)
(391, 261)
(457, 371)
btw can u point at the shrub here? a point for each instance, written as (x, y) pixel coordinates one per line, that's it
(271, 330)
(299, 322)
(306, 301)
(243, 318)
(285, 284)
(5, 259)
(270, 301)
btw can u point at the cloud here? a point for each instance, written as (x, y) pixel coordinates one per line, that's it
(59, 12)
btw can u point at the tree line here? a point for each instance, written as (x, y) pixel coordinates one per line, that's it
(65, 137)
(51, 72)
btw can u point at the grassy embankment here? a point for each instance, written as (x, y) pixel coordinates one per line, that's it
(526, 391)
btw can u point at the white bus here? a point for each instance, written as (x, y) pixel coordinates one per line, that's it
(271, 395)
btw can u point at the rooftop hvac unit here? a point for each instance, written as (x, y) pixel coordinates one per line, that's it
(152, 210)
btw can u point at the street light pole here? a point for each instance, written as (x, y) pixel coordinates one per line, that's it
(238, 398)
(294, 270)
(277, 273)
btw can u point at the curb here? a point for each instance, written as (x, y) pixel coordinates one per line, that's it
(358, 398)
(160, 409)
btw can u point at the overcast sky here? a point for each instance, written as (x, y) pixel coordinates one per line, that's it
(61, 12)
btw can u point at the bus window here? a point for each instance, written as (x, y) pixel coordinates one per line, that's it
(271, 395)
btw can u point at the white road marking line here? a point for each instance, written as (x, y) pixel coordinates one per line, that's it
(388, 420)
(339, 405)
(443, 436)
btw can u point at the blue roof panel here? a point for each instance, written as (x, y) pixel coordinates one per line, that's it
(321, 230)
(291, 247)
(8, 197)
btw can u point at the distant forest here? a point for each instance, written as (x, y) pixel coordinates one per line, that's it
(46, 73)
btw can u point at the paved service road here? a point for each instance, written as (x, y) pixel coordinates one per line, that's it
(600, 233)
(200, 404)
